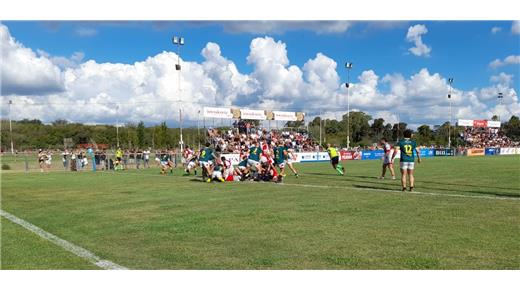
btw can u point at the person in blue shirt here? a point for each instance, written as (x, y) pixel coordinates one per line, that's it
(409, 151)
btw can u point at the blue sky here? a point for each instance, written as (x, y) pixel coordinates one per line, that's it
(459, 49)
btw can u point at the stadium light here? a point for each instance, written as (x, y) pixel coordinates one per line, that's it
(11, 127)
(348, 66)
(179, 41)
(450, 81)
(117, 125)
(500, 97)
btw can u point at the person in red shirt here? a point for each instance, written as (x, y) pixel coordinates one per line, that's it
(388, 161)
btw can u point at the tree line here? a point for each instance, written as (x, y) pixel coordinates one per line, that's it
(364, 131)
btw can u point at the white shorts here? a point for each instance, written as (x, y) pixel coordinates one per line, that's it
(263, 159)
(281, 165)
(216, 174)
(206, 163)
(252, 163)
(407, 165)
(191, 165)
(164, 163)
(242, 168)
(387, 160)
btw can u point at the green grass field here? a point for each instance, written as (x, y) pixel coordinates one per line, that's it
(464, 215)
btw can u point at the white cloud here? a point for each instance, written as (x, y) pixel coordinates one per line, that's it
(512, 59)
(280, 27)
(496, 29)
(515, 27)
(88, 91)
(23, 71)
(415, 35)
(86, 31)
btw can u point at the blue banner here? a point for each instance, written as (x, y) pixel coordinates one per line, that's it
(427, 152)
(372, 154)
(443, 152)
(492, 151)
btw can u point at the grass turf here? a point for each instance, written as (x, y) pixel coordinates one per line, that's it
(142, 220)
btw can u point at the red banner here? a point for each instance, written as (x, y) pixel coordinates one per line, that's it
(479, 123)
(350, 155)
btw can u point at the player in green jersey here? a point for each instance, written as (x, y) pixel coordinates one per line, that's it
(409, 151)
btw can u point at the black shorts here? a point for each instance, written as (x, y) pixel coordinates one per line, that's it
(118, 158)
(334, 160)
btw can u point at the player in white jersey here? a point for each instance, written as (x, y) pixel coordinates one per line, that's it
(291, 158)
(388, 161)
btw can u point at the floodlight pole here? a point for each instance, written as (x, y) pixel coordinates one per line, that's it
(500, 97)
(320, 129)
(117, 125)
(11, 127)
(348, 66)
(450, 81)
(179, 41)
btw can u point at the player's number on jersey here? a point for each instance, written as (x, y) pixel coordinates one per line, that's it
(408, 150)
(203, 153)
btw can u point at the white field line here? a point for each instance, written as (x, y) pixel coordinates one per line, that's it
(76, 250)
(405, 192)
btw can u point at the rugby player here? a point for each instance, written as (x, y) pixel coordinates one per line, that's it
(334, 159)
(388, 161)
(192, 163)
(408, 150)
(280, 157)
(166, 164)
(291, 157)
(253, 160)
(206, 158)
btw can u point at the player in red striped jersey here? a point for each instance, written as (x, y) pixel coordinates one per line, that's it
(388, 161)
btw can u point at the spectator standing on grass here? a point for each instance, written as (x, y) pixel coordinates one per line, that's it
(48, 160)
(90, 153)
(126, 155)
(73, 164)
(41, 160)
(409, 151)
(146, 158)
(138, 158)
(64, 159)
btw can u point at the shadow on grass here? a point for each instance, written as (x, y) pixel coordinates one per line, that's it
(439, 191)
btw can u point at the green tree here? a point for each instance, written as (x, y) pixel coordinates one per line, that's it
(424, 135)
(512, 128)
(140, 134)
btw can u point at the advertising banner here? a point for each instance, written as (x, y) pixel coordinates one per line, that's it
(475, 152)
(493, 124)
(479, 123)
(350, 155)
(427, 152)
(465, 123)
(235, 158)
(252, 114)
(221, 113)
(312, 157)
(284, 116)
(509, 151)
(443, 152)
(372, 154)
(492, 151)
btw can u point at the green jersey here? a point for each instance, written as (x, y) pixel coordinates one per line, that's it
(206, 155)
(407, 148)
(332, 152)
(243, 163)
(279, 155)
(254, 153)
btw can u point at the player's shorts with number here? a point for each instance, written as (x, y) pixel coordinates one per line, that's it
(387, 160)
(407, 165)
(281, 165)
